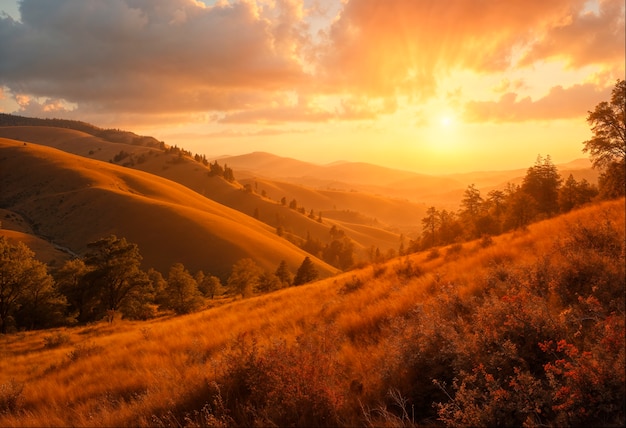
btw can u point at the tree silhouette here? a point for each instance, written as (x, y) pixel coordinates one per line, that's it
(430, 223)
(542, 183)
(71, 282)
(181, 292)
(114, 271)
(607, 147)
(283, 273)
(244, 277)
(24, 283)
(306, 272)
(608, 144)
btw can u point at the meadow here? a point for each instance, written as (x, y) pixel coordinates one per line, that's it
(526, 328)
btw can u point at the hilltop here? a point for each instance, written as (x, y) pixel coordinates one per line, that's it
(71, 201)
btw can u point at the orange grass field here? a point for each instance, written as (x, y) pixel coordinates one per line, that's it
(136, 373)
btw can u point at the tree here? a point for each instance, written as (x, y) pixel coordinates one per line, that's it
(608, 144)
(306, 272)
(542, 183)
(284, 274)
(521, 209)
(71, 282)
(339, 253)
(24, 283)
(268, 281)
(244, 277)
(114, 271)
(471, 211)
(181, 292)
(573, 193)
(607, 147)
(471, 201)
(430, 224)
(210, 286)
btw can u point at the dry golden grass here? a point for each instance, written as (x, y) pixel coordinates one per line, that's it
(75, 201)
(194, 176)
(128, 372)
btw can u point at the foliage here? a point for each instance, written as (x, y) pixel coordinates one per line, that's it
(284, 274)
(607, 147)
(281, 385)
(542, 183)
(27, 294)
(608, 125)
(244, 278)
(181, 293)
(114, 271)
(306, 272)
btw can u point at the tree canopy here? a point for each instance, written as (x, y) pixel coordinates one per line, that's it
(607, 147)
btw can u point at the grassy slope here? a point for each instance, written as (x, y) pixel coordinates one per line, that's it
(194, 176)
(73, 201)
(127, 372)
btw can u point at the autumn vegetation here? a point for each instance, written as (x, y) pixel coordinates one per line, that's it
(510, 311)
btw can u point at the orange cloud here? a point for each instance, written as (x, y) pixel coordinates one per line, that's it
(585, 38)
(243, 58)
(405, 46)
(152, 56)
(559, 103)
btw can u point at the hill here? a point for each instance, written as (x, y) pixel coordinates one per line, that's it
(481, 334)
(112, 135)
(442, 191)
(195, 176)
(70, 200)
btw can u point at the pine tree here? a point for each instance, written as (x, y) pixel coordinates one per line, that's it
(306, 272)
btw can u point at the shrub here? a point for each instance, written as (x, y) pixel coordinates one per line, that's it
(352, 285)
(83, 350)
(281, 385)
(56, 339)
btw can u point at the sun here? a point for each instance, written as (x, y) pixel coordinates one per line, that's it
(446, 121)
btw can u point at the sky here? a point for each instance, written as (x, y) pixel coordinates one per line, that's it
(424, 85)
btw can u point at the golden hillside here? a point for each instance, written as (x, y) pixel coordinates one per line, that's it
(71, 201)
(194, 175)
(491, 323)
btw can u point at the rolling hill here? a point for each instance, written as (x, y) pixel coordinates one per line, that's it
(194, 175)
(70, 200)
(480, 335)
(443, 191)
(373, 205)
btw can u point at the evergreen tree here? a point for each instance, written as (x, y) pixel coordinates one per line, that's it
(430, 223)
(284, 274)
(541, 183)
(306, 272)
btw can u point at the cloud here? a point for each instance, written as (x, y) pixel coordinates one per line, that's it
(559, 103)
(585, 38)
(243, 58)
(307, 109)
(150, 55)
(406, 46)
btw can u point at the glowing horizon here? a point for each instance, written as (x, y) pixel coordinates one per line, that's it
(423, 86)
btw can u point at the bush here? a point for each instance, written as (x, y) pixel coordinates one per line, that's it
(281, 385)
(56, 339)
